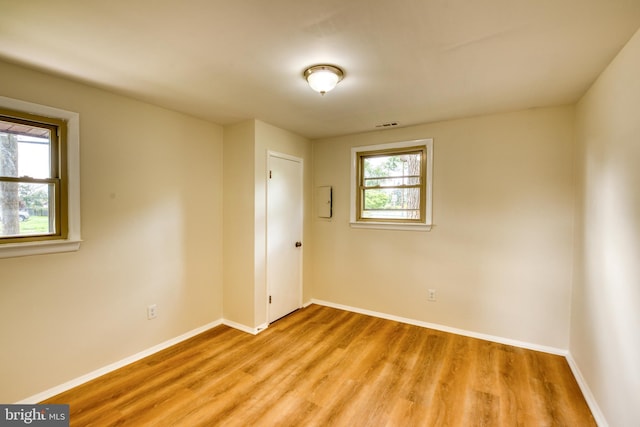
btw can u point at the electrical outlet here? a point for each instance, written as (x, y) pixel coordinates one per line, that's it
(152, 311)
(431, 294)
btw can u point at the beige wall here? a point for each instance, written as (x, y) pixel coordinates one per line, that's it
(500, 252)
(605, 323)
(152, 228)
(239, 214)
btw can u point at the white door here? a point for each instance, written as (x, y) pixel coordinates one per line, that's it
(284, 235)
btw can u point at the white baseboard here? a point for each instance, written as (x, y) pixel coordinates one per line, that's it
(500, 340)
(116, 365)
(257, 329)
(245, 328)
(586, 392)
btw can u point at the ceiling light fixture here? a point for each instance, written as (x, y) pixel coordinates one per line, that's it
(323, 78)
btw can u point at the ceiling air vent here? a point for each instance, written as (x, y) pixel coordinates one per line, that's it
(387, 125)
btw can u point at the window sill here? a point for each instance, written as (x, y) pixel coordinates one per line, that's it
(388, 226)
(11, 250)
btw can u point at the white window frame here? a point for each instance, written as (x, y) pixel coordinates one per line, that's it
(424, 225)
(72, 241)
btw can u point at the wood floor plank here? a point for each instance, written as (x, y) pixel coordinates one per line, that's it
(326, 367)
(407, 413)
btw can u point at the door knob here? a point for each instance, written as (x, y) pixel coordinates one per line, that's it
(298, 244)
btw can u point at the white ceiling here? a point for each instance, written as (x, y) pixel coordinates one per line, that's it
(410, 61)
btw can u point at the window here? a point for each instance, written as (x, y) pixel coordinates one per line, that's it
(391, 185)
(33, 185)
(39, 197)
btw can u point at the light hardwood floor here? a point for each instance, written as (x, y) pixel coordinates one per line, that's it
(322, 366)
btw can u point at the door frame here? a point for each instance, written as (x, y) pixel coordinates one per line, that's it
(300, 161)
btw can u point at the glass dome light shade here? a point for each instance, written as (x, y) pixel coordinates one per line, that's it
(323, 78)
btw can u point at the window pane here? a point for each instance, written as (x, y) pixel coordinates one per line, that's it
(24, 209)
(396, 165)
(392, 203)
(24, 150)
